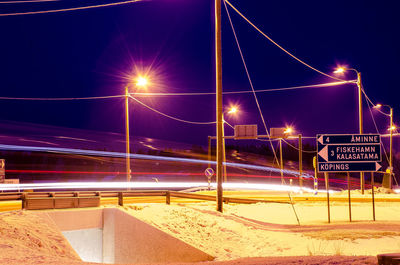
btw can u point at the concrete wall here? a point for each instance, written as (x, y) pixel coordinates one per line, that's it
(110, 235)
(88, 243)
(138, 242)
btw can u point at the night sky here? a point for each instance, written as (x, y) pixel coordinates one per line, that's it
(92, 53)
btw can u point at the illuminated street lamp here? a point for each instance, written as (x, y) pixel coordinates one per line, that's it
(233, 110)
(140, 82)
(391, 129)
(341, 70)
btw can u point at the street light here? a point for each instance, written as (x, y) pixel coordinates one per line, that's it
(140, 81)
(341, 70)
(391, 129)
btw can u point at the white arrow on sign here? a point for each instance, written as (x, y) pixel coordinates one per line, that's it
(321, 139)
(324, 153)
(377, 166)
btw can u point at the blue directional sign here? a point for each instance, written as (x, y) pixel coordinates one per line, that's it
(349, 139)
(349, 153)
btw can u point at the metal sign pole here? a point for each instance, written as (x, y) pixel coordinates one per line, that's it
(281, 159)
(373, 196)
(300, 162)
(327, 195)
(349, 188)
(209, 151)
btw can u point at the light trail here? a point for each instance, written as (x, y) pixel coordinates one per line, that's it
(144, 157)
(153, 185)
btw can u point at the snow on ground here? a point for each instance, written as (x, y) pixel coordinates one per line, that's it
(242, 235)
(27, 238)
(261, 230)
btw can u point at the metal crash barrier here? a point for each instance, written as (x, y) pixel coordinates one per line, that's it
(81, 199)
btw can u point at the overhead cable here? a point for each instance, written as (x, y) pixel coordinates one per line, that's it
(298, 149)
(27, 1)
(171, 117)
(143, 94)
(246, 91)
(376, 127)
(249, 78)
(279, 46)
(69, 9)
(61, 99)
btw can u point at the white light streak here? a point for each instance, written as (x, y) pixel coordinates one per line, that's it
(152, 185)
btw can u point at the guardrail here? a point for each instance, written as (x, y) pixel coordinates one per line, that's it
(75, 199)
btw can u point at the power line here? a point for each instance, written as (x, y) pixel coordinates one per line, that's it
(376, 127)
(304, 151)
(27, 1)
(249, 78)
(171, 117)
(156, 94)
(61, 99)
(280, 47)
(69, 9)
(246, 91)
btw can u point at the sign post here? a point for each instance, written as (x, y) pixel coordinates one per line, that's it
(327, 195)
(209, 172)
(348, 189)
(348, 153)
(2, 170)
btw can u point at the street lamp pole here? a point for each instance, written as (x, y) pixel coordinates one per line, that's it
(391, 128)
(128, 163)
(360, 113)
(360, 120)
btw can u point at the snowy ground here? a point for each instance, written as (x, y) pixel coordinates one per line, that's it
(262, 230)
(241, 235)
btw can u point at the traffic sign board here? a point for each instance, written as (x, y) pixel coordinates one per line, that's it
(349, 139)
(346, 153)
(342, 152)
(209, 172)
(349, 167)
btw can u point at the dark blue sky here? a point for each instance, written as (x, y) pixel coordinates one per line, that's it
(90, 53)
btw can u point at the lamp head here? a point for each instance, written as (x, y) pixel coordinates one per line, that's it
(141, 81)
(340, 70)
(288, 130)
(233, 110)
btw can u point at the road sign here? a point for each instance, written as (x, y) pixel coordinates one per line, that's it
(11, 181)
(245, 131)
(209, 172)
(349, 153)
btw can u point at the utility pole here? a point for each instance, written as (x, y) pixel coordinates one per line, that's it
(218, 79)
(360, 123)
